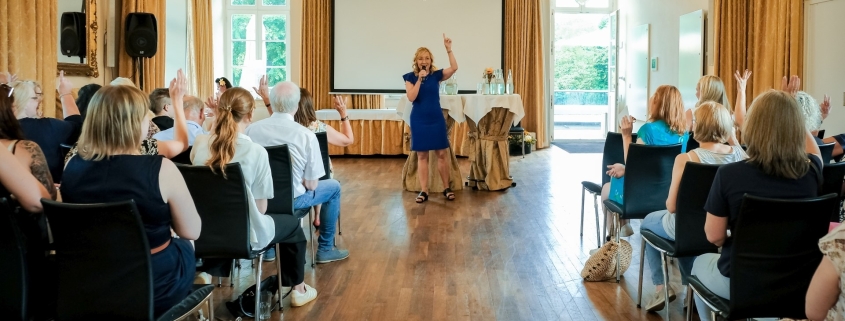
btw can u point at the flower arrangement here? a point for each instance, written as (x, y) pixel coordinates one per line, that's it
(515, 140)
(488, 73)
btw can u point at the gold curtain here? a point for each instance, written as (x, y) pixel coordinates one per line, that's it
(28, 44)
(764, 36)
(524, 55)
(153, 68)
(201, 51)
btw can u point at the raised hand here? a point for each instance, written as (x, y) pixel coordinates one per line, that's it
(792, 85)
(626, 125)
(64, 86)
(447, 42)
(339, 105)
(742, 80)
(211, 105)
(825, 107)
(263, 89)
(178, 86)
(6, 78)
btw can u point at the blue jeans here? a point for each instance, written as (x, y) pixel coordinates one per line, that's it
(654, 223)
(707, 271)
(328, 194)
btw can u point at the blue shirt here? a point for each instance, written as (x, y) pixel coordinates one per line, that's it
(194, 130)
(658, 133)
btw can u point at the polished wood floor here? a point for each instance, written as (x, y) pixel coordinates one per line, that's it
(510, 255)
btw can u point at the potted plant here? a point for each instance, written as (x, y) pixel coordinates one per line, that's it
(514, 144)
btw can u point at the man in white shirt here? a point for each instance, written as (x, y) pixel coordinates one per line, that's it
(280, 128)
(194, 116)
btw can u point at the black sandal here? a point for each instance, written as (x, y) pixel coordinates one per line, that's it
(422, 197)
(449, 194)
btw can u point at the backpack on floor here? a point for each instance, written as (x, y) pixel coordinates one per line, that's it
(602, 265)
(244, 305)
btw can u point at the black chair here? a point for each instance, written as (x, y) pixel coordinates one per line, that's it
(833, 175)
(648, 174)
(222, 204)
(775, 254)
(820, 135)
(518, 130)
(689, 224)
(613, 153)
(281, 167)
(14, 275)
(104, 265)
(692, 143)
(184, 157)
(324, 153)
(827, 152)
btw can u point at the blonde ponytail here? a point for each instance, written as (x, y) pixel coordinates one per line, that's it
(235, 104)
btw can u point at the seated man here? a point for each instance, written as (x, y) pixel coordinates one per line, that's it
(280, 128)
(161, 107)
(194, 116)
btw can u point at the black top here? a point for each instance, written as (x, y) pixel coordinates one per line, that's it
(163, 122)
(734, 180)
(49, 134)
(120, 178)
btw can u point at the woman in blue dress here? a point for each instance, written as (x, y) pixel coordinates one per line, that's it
(428, 127)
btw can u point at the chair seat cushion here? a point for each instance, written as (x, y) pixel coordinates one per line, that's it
(720, 303)
(199, 293)
(614, 207)
(516, 130)
(591, 187)
(661, 244)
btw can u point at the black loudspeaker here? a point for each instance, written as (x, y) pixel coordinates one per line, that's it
(73, 34)
(141, 35)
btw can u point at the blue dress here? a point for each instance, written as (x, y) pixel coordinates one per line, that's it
(428, 126)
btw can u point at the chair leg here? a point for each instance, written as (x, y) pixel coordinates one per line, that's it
(257, 273)
(618, 228)
(596, 208)
(232, 275)
(665, 284)
(604, 230)
(713, 315)
(313, 240)
(219, 281)
(523, 144)
(582, 210)
(689, 302)
(640, 286)
(279, 277)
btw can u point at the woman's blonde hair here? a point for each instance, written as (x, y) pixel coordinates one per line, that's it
(810, 109)
(305, 115)
(713, 123)
(417, 54)
(667, 105)
(114, 122)
(23, 91)
(711, 88)
(774, 132)
(234, 105)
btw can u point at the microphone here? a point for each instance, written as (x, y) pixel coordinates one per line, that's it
(423, 78)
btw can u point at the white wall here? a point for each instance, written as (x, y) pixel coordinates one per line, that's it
(824, 65)
(176, 41)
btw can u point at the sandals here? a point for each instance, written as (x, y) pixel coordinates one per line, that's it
(449, 194)
(422, 197)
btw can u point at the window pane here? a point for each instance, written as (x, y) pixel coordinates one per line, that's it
(597, 4)
(566, 3)
(243, 27)
(275, 52)
(274, 2)
(242, 51)
(274, 27)
(276, 75)
(236, 76)
(243, 2)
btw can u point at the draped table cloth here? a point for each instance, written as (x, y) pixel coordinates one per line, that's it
(489, 118)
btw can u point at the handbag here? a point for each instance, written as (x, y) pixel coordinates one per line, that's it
(602, 265)
(244, 305)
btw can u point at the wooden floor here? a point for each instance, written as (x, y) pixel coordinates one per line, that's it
(510, 255)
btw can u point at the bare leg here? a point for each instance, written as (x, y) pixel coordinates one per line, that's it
(443, 167)
(300, 287)
(422, 170)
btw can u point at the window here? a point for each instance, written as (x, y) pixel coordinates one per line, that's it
(257, 42)
(592, 6)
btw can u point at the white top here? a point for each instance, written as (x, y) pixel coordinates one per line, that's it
(255, 166)
(477, 106)
(360, 114)
(281, 129)
(194, 130)
(452, 103)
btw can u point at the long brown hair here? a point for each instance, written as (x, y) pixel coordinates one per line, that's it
(10, 128)
(235, 104)
(711, 88)
(667, 105)
(775, 134)
(305, 115)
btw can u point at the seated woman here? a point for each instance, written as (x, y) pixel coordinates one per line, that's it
(49, 133)
(666, 126)
(825, 299)
(83, 97)
(783, 162)
(306, 116)
(110, 169)
(708, 88)
(229, 145)
(26, 152)
(714, 132)
(812, 114)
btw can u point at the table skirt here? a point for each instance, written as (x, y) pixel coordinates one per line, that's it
(487, 145)
(390, 137)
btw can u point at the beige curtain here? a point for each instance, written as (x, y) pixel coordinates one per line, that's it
(524, 55)
(200, 49)
(153, 68)
(28, 44)
(765, 36)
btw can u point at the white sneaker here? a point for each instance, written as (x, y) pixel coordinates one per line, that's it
(627, 231)
(202, 278)
(299, 299)
(658, 301)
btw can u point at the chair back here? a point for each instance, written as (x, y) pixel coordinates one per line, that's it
(324, 153)
(691, 142)
(14, 275)
(184, 157)
(820, 135)
(222, 204)
(281, 168)
(690, 239)
(833, 176)
(103, 261)
(648, 175)
(613, 153)
(775, 254)
(827, 152)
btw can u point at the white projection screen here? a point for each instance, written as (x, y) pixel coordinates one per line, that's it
(373, 41)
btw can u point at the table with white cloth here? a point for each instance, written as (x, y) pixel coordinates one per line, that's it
(489, 118)
(376, 131)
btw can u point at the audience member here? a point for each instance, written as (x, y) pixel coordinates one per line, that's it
(26, 152)
(83, 97)
(811, 111)
(708, 88)
(825, 298)
(280, 128)
(306, 116)
(161, 107)
(152, 127)
(110, 169)
(194, 116)
(714, 132)
(229, 145)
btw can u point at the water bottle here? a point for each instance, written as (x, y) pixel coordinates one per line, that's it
(500, 82)
(510, 83)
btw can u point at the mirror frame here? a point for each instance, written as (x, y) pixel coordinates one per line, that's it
(90, 68)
